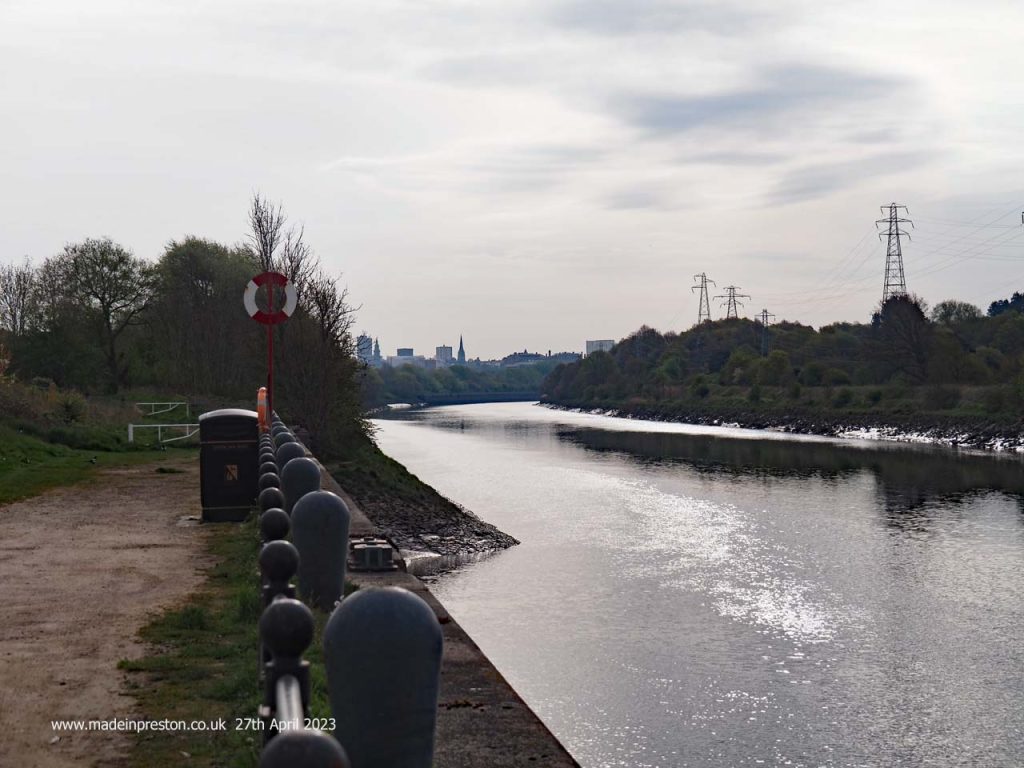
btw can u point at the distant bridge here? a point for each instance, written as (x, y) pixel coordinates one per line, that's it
(465, 398)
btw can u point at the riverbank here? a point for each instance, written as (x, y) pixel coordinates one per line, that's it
(424, 525)
(964, 431)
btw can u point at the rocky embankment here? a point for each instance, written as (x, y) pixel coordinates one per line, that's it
(963, 431)
(415, 517)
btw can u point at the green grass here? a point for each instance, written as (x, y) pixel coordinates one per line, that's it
(202, 662)
(30, 465)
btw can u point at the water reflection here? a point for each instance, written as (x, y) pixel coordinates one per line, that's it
(716, 597)
(909, 478)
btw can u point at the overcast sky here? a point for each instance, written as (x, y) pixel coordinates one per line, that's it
(531, 174)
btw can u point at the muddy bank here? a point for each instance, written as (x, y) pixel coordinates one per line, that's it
(961, 431)
(415, 517)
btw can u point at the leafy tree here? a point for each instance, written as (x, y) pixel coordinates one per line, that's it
(1014, 304)
(904, 335)
(111, 287)
(775, 370)
(952, 312)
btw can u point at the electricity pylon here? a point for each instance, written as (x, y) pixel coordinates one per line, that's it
(765, 322)
(895, 282)
(732, 300)
(704, 312)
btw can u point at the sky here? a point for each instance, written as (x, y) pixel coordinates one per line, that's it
(531, 173)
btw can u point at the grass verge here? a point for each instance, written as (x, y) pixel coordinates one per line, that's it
(202, 663)
(29, 465)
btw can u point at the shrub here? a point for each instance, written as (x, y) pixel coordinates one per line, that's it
(994, 400)
(842, 398)
(71, 407)
(874, 396)
(834, 377)
(941, 397)
(754, 395)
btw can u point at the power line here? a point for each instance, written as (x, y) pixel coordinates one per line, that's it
(704, 311)
(732, 300)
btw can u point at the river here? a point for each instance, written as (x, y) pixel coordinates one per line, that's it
(702, 596)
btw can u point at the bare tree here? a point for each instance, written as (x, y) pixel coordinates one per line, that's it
(266, 228)
(19, 300)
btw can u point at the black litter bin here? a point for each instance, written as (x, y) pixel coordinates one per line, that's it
(228, 473)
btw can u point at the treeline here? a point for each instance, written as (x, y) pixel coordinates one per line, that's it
(98, 319)
(410, 384)
(903, 349)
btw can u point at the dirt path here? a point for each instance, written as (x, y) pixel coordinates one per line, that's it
(81, 568)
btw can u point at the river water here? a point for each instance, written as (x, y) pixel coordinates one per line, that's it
(700, 596)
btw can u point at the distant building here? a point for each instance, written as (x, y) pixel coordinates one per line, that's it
(443, 355)
(377, 360)
(462, 352)
(405, 352)
(364, 348)
(396, 361)
(599, 345)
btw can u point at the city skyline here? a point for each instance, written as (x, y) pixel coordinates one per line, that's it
(544, 171)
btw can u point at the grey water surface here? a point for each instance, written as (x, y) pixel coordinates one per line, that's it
(701, 596)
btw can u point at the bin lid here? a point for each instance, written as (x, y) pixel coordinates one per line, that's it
(233, 413)
(228, 424)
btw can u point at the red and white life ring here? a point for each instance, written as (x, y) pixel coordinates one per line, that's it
(291, 298)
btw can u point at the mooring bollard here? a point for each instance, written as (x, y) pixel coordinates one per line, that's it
(268, 466)
(270, 497)
(320, 522)
(289, 451)
(275, 525)
(299, 477)
(267, 454)
(309, 749)
(282, 438)
(382, 650)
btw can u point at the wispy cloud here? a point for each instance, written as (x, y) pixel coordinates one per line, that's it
(622, 18)
(815, 181)
(777, 97)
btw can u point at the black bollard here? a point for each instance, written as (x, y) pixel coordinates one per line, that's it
(289, 451)
(382, 650)
(275, 525)
(320, 523)
(267, 454)
(308, 748)
(282, 438)
(299, 477)
(279, 561)
(268, 466)
(270, 497)
(269, 480)
(286, 630)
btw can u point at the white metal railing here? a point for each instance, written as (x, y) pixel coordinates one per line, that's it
(190, 430)
(157, 408)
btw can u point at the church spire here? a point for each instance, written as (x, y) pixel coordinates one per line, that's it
(462, 351)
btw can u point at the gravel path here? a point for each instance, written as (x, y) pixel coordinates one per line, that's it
(83, 567)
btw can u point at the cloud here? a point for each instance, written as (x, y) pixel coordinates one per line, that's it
(814, 181)
(736, 158)
(618, 18)
(782, 93)
(476, 169)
